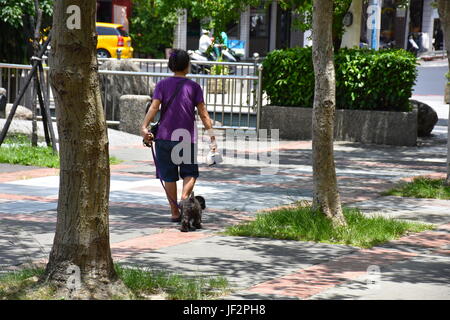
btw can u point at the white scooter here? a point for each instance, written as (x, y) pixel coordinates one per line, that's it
(227, 56)
(199, 68)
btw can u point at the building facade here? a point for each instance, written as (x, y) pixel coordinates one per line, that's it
(261, 29)
(114, 11)
(266, 28)
(420, 20)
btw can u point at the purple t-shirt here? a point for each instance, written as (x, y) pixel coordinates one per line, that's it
(181, 112)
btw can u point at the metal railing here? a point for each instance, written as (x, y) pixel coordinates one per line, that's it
(12, 78)
(233, 101)
(161, 65)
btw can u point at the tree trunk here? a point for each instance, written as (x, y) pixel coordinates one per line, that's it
(81, 241)
(326, 194)
(444, 15)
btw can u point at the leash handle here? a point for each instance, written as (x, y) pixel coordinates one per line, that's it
(157, 172)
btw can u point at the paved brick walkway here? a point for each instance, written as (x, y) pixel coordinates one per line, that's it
(319, 278)
(141, 233)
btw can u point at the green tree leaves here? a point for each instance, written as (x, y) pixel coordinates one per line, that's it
(150, 29)
(304, 10)
(17, 29)
(215, 14)
(12, 11)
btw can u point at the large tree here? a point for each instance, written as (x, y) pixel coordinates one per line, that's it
(326, 194)
(81, 241)
(444, 15)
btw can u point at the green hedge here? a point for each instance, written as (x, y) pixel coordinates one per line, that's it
(365, 79)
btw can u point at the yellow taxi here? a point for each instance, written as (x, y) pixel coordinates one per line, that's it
(111, 38)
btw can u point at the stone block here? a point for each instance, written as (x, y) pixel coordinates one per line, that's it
(371, 127)
(132, 112)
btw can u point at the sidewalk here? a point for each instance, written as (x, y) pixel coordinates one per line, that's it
(414, 267)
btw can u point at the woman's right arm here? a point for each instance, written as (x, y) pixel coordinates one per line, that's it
(204, 116)
(151, 113)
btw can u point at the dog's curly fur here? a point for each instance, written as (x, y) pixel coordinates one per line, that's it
(191, 213)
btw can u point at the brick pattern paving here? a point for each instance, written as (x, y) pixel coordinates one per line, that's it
(310, 281)
(357, 184)
(161, 240)
(27, 174)
(316, 279)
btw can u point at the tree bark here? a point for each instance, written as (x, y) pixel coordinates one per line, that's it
(326, 193)
(444, 15)
(82, 231)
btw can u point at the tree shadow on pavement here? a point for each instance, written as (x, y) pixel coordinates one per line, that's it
(423, 277)
(244, 261)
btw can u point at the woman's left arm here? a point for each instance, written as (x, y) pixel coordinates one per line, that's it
(151, 113)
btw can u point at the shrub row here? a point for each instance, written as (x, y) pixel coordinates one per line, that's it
(365, 79)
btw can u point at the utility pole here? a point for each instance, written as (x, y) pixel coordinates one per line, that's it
(374, 23)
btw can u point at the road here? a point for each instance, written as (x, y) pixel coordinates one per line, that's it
(431, 78)
(429, 89)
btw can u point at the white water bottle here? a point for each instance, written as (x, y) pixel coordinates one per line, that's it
(213, 157)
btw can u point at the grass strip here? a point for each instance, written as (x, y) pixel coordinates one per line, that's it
(17, 149)
(421, 187)
(306, 224)
(143, 284)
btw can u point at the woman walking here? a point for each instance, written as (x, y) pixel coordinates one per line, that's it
(179, 97)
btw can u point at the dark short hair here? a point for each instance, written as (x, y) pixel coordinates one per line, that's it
(179, 60)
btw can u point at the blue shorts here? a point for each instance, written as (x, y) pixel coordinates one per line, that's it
(170, 170)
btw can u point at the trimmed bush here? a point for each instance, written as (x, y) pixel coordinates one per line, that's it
(365, 79)
(288, 77)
